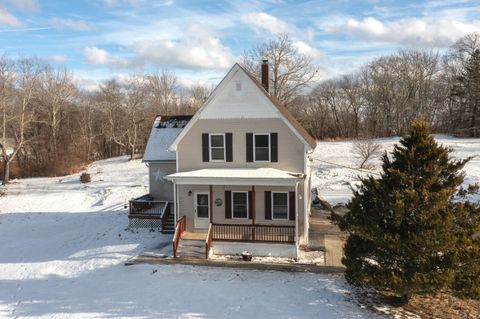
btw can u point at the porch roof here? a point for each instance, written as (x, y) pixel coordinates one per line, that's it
(237, 176)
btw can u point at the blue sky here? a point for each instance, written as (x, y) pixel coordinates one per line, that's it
(200, 40)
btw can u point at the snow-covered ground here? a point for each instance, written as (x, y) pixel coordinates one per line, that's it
(333, 174)
(63, 245)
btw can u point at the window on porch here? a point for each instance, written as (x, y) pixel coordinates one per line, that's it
(280, 205)
(240, 204)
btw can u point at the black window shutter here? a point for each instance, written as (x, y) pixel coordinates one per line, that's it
(249, 147)
(268, 205)
(228, 145)
(274, 147)
(205, 146)
(228, 204)
(291, 205)
(250, 204)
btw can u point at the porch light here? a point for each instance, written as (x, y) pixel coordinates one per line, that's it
(189, 193)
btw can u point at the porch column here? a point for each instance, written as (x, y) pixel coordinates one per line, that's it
(210, 204)
(253, 212)
(253, 206)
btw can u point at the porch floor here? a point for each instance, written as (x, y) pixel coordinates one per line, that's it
(194, 236)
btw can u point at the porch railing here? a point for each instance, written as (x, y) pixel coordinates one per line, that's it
(254, 233)
(179, 230)
(208, 241)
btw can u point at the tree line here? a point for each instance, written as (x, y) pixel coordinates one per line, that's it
(49, 126)
(384, 96)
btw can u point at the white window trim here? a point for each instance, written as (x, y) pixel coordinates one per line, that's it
(269, 147)
(288, 206)
(248, 205)
(210, 147)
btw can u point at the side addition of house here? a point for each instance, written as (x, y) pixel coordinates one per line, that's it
(242, 176)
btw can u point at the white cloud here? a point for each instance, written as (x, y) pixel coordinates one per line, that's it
(307, 50)
(94, 55)
(78, 25)
(9, 19)
(198, 49)
(260, 21)
(136, 3)
(411, 31)
(195, 49)
(60, 59)
(28, 5)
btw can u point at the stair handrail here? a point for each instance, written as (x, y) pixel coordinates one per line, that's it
(208, 241)
(179, 230)
(165, 213)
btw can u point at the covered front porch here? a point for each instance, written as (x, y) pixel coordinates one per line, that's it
(249, 206)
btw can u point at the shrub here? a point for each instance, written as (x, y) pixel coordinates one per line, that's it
(85, 178)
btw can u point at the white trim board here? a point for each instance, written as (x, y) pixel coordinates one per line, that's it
(234, 181)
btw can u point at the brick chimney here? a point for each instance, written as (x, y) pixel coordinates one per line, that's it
(265, 75)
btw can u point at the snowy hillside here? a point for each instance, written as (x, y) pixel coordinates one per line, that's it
(333, 178)
(63, 245)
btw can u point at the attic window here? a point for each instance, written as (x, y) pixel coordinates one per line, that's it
(238, 86)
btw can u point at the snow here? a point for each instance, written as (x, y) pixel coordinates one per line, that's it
(334, 168)
(240, 173)
(160, 139)
(64, 244)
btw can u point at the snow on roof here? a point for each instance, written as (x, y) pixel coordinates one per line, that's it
(164, 131)
(238, 174)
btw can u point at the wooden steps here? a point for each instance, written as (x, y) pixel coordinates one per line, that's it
(168, 227)
(191, 248)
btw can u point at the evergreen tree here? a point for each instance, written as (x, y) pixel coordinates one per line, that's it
(408, 232)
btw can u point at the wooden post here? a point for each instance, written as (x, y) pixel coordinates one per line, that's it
(210, 205)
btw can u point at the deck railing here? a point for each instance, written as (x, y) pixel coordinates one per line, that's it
(208, 241)
(146, 207)
(254, 233)
(179, 230)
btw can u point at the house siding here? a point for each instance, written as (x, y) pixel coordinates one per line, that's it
(290, 147)
(161, 189)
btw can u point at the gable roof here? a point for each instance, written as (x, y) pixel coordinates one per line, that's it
(285, 114)
(164, 131)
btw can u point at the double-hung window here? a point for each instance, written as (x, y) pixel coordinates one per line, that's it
(261, 147)
(217, 147)
(280, 205)
(240, 204)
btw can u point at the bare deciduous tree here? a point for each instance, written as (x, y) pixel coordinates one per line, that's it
(365, 151)
(27, 73)
(56, 93)
(290, 71)
(162, 89)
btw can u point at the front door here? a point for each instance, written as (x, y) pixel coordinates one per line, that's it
(202, 209)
